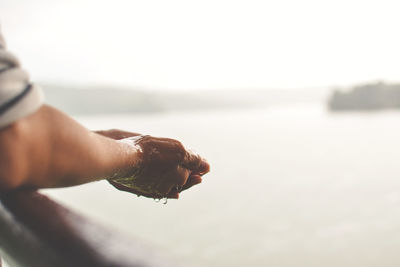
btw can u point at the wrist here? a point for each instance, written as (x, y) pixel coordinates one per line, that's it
(120, 158)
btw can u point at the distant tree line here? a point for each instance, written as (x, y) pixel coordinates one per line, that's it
(373, 96)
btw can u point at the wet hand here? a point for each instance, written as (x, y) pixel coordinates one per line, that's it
(164, 168)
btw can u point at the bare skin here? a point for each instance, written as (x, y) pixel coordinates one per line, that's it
(49, 149)
(171, 160)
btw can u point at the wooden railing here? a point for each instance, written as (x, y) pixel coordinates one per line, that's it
(38, 232)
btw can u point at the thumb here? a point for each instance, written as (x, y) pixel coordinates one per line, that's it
(195, 163)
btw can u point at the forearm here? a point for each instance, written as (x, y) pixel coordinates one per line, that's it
(49, 149)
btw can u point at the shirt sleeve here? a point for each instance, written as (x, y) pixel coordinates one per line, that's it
(18, 96)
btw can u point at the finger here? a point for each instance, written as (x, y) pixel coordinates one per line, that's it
(195, 163)
(193, 180)
(174, 180)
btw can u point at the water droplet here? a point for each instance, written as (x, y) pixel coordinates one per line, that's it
(165, 200)
(157, 199)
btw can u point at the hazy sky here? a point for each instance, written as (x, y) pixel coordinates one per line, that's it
(207, 43)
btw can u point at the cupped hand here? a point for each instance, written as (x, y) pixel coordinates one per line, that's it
(164, 169)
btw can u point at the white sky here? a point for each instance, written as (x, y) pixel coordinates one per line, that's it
(206, 44)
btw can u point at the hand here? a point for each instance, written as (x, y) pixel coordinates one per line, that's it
(165, 167)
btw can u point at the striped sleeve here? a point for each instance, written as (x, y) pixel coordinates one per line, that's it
(18, 96)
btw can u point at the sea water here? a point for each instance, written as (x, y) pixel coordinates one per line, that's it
(289, 186)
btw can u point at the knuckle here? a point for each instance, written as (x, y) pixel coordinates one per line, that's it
(180, 151)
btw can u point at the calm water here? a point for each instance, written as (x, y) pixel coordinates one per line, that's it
(292, 186)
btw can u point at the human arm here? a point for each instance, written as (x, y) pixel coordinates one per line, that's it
(41, 147)
(50, 149)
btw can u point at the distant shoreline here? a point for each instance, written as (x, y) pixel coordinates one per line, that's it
(367, 97)
(80, 100)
